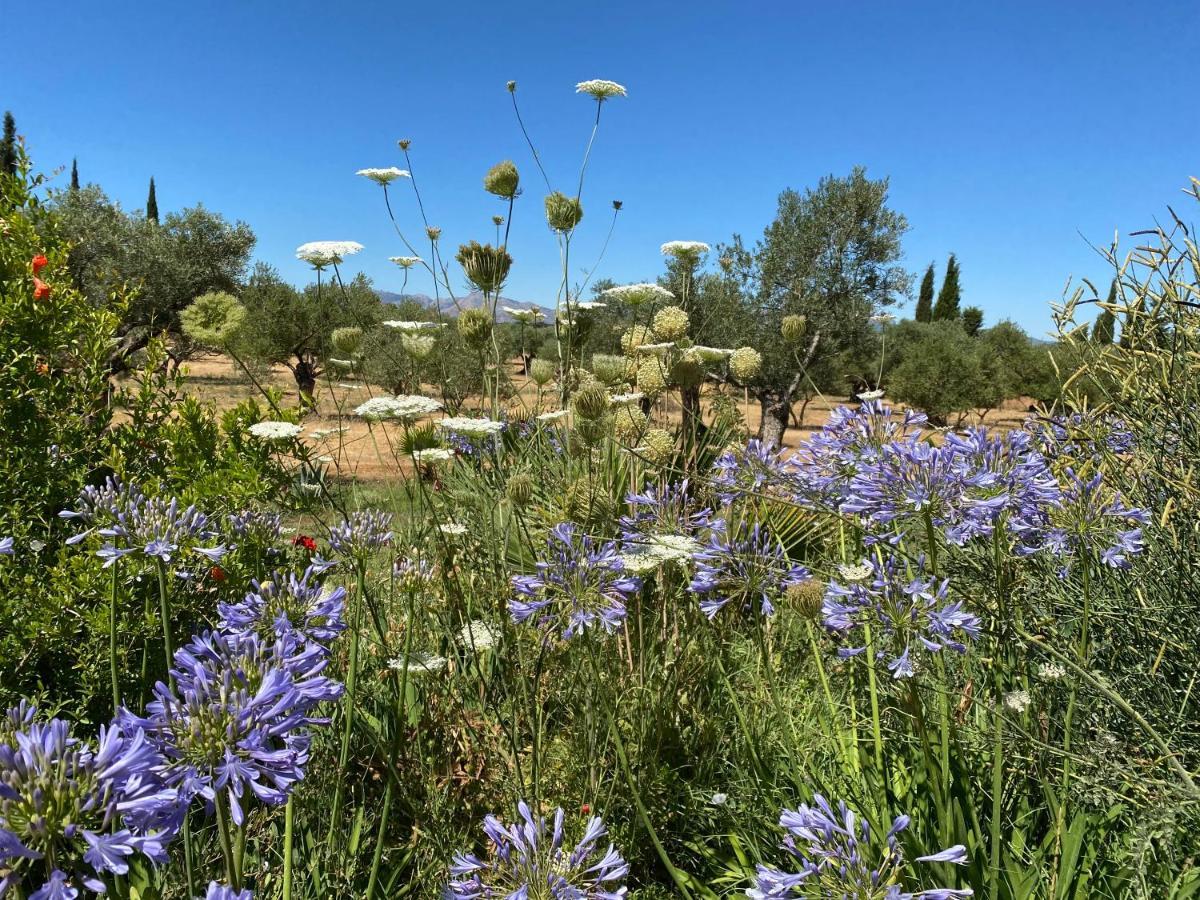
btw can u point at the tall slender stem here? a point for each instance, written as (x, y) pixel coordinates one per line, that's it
(348, 726)
(112, 641)
(164, 607)
(289, 821)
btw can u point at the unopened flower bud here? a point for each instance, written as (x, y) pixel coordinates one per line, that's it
(541, 371)
(520, 489)
(590, 403)
(563, 212)
(793, 328)
(670, 323)
(475, 326)
(745, 363)
(658, 445)
(502, 180)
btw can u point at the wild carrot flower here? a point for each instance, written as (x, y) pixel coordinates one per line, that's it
(383, 177)
(471, 427)
(275, 431)
(748, 568)
(582, 585)
(75, 810)
(600, 89)
(362, 534)
(235, 719)
(320, 254)
(840, 856)
(907, 611)
(527, 859)
(684, 249)
(406, 408)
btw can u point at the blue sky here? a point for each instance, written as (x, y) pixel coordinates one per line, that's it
(1013, 133)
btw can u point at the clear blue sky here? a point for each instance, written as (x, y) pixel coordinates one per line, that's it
(1013, 133)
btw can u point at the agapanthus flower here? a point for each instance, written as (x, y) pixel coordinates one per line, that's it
(600, 89)
(748, 568)
(582, 585)
(288, 607)
(6, 546)
(527, 859)
(906, 610)
(363, 533)
(412, 574)
(275, 431)
(669, 508)
(1093, 520)
(235, 720)
(408, 407)
(1082, 436)
(383, 177)
(639, 294)
(85, 808)
(257, 527)
(320, 254)
(744, 472)
(224, 892)
(840, 856)
(684, 248)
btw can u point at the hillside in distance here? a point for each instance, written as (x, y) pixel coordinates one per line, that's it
(472, 300)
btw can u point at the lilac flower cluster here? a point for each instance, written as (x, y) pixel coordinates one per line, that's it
(582, 585)
(73, 812)
(362, 534)
(748, 568)
(527, 859)
(235, 718)
(132, 523)
(907, 610)
(840, 857)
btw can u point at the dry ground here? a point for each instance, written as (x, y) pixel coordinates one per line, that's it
(358, 452)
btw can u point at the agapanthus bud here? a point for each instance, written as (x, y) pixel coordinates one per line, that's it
(745, 363)
(563, 212)
(502, 179)
(793, 328)
(670, 323)
(633, 338)
(541, 371)
(475, 326)
(346, 340)
(213, 319)
(658, 445)
(652, 378)
(608, 368)
(629, 422)
(806, 598)
(485, 266)
(590, 403)
(519, 489)
(404, 144)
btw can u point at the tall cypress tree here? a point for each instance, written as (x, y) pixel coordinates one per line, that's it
(152, 204)
(946, 308)
(972, 319)
(74, 174)
(8, 146)
(1104, 329)
(925, 298)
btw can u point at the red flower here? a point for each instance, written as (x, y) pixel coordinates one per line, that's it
(216, 573)
(39, 263)
(585, 809)
(303, 540)
(41, 290)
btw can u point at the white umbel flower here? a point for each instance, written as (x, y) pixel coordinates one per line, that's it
(275, 431)
(407, 407)
(662, 347)
(452, 529)
(867, 396)
(601, 89)
(433, 455)
(858, 572)
(680, 249)
(526, 316)
(552, 416)
(320, 254)
(1017, 701)
(882, 318)
(1051, 671)
(406, 262)
(383, 177)
(401, 325)
(469, 426)
(639, 294)
(710, 354)
(624, 399)
(478, 635)
(321, 433)
(419, 663)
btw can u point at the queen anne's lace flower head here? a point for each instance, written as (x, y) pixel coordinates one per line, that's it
(639, 294)
(402, 325)
(407, 407)
(527, 859)
(320, 254)
(383, 177)
(275, 431)
(685, 249)
(406, 262)
(600, 89)
(471, 427)
(525, 316)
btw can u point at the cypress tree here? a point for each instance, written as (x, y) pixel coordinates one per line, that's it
(74, 175)
(1104, 329)
(972, 319)
(8, 146)
(946, 308)
(152, 204)
(925, 298)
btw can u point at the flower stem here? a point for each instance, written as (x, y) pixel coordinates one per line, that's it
(112, 642)
(348, 726)
(289, 819)
(164, 605)
(235, 879)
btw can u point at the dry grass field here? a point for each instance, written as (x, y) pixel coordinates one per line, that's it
(358, 452)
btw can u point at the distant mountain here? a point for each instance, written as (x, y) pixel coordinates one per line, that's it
(472, 300)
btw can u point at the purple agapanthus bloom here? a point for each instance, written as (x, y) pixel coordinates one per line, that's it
(749, 471)
(362, 534)
(1081, 436)
(820, 472)
(85, 808)
(749, 569)
(582, 585)
(663, 509)
(906, 486)
(840, 856)
(906, 610)
(256, 527)
(1091, 520)
(527, 859)
(289, 607)
(222, 892)
(6, 546)
(235, 720)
